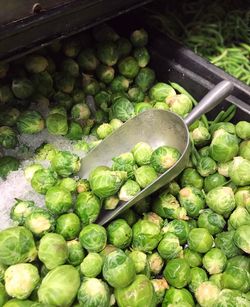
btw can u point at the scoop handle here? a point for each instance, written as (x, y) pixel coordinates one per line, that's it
(210, 100)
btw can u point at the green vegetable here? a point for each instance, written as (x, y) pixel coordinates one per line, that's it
(160, 91)
(7, 165)
(169, 247)
(141, 291)
(43, 179)
(128, 67)
(207, 293)
(242, 238)
(145, 79)
(17, 246)
(239, 171)
(140, 261)
(212, 221)
(179, 104)
(57, 124)
(243, 129)
(30, 122)
(58, 200)
(93, 238)
(21, 279)
(59, 287)
(155, 262)
(145, 175)
(164, 157)
(119, 233)
(52, 250)
(214, 261)
(76, 252)
(190, 177)
(118, 269)
(178, 297)
(139, 38)
(200, 240)
(22, 88)
(177, 273)
(91, 265)
(8, 138)
(65, 163)
(142, 56)
(87, 60)
(68, 225)
(123, 109)
(107, 53)
(20, 210)
(192, 199)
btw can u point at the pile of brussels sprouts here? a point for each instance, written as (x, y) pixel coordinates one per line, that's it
(186, 245)
(88, 85)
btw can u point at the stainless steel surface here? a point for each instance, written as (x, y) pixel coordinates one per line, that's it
(156, 127)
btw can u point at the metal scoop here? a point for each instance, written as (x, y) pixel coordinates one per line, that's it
(156, 127)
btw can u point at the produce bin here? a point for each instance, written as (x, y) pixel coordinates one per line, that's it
(25, 33)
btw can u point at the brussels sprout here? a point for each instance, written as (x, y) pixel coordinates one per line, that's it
(111, 202)
(39, 222)
(87, 60)
(164, 157)
(242, 238)
(167, 206)
(59, 110)
(123, 109)
(104, 32)
(145, 79)
(30, 171)
(139, 38)
(87, 207)
(214, 261)
(160, 91)
(9, 117)
(235, 278)
(52, 250)
(45, 152)
(242, 197)
(8, 138)
(6, 95)
(231, 297)
(228, 127)
(128, 67)
(20, 210)
(193, 258)
(105, 73)
(221, 200)
(90, 85)
(213, 181)
(125, 162)
(190, 177)
(30, 122)
(3, 294)
(2, 271)
(135, 94)
(243, 130)
(69, 184)
(142, 56)
(82, 185)
(142, 106)
(104, 182)
(146, 235)
(239, 217)
(7, 165)
(58, 200)
(64, 82)
(177, 272)
(94, 292)
(204, 151)
(225, 242)
(129, 216)
(178, 297)
(65, 163)
(156, 263)
(142, 153)
(22, 88)
(160, 286)
(16, 246)
(63, 100)
(142, 206)
(80, 111)
(179, 228)
(59, 287)
(145, 175)
(104, 130)
(129, 190)
(36, 63)
(119, 233)
(123, 46)
(68, 225)
(76, 252)
(21, 303)
(93, 238)
(107, 53)
(239, 171)
(103, 100)
(91, 265)
(116, 123)
(57, 124)
(192, 199)
(206, 166)
(244, 150)
(21, 279)
(200, 135)
(70, 67)
(43, 179)
(212, 221)
(200, 240)
(78, 96)
(179, 104)
(118, 269)
(224, 146)
(207, 293)
(216, 278)
(140, 261)
(169, 247)
(119, 84)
